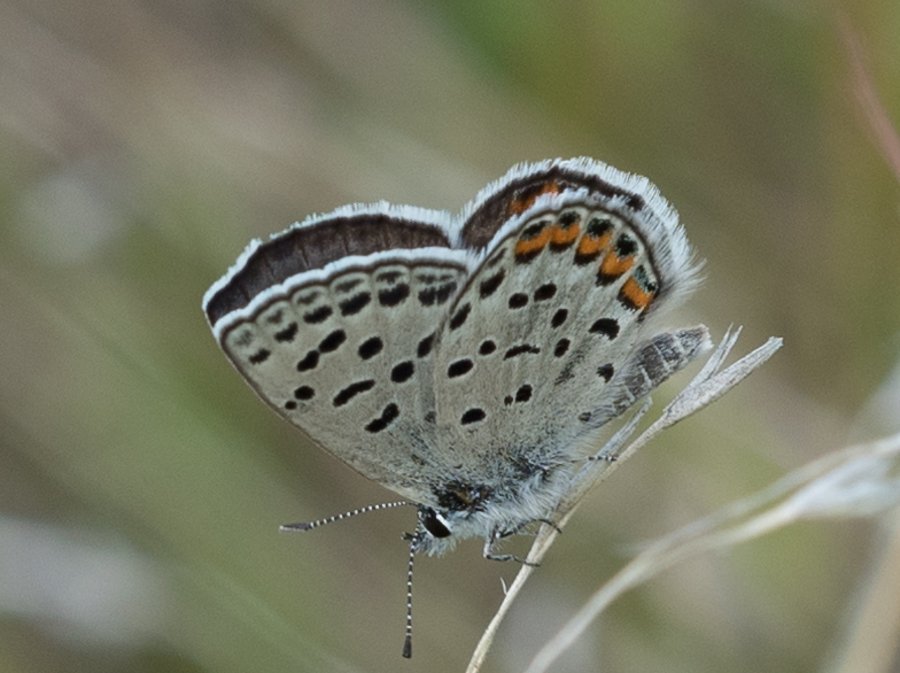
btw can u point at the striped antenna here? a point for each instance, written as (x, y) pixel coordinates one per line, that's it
(414, 541)
(309, 525)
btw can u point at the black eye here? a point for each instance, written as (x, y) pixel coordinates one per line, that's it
(433, 522)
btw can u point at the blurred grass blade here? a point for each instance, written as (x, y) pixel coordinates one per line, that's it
(860, 481)
(708, 385)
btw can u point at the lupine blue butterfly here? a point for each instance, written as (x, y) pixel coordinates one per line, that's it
(467, 362)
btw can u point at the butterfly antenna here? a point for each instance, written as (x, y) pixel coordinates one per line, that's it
(309, 525)
(414, 541)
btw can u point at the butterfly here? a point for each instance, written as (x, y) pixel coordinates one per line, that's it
(467, 362)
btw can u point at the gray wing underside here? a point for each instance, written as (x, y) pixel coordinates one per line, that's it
(416, 351)
(414, 371)
(348, 360)
(542, 347)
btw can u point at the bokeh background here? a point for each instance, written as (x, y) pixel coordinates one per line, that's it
(142, 144)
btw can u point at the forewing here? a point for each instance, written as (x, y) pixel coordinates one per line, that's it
(343, 350)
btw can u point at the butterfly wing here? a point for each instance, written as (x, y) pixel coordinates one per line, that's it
(575, 256)
(332, 323)
(426, 351)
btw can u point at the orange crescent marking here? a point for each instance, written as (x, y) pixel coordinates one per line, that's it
(591, 245)
(532, 245)
(614, 266)
(564, 236)
(636, 294)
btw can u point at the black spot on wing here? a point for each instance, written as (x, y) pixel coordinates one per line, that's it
(462, 313)
(304, 393)
(355, 304)
(333, 341)
(318, 315)
(310, 361)
(472, 416)
(489, 286)
(393, 296)
(403, 371)
(598, 226)
(608, 327)
(370, 347)
(521, 349)
(348, 393)
(287, 334)
(545, 292)
(559, 317)
(518, 300)
(459, 367)
(533, 230)
(425, 346)
(568, 218)
(487, 347)
(625, 245)
(605, 372)
(388, 416)
(437, 294)
(523, 394)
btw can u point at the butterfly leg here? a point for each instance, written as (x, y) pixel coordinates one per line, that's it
(491, 555)
(518, 529)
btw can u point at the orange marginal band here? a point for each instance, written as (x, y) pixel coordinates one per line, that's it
(532, 246)
(564, 236)
(635, 294)
(614, 266)
(591, 245)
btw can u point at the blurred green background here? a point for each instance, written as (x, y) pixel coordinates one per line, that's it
(142, 144)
